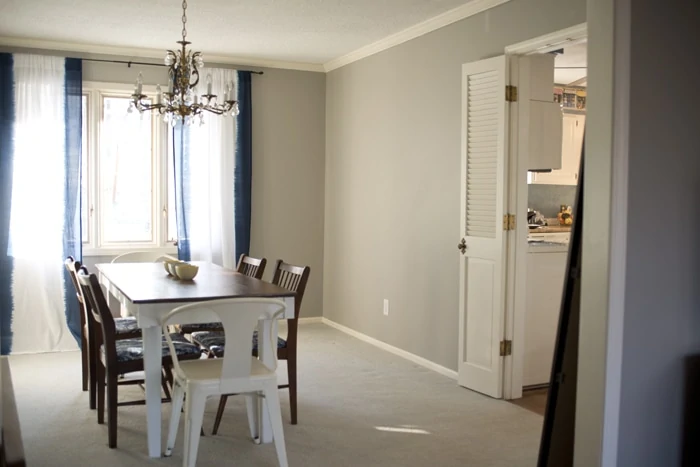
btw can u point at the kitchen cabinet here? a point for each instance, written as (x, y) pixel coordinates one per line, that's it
(571, 143)
(544, 135)
(546, 269)
(540, 123)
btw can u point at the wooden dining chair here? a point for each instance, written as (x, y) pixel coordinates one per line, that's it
(125, 328)
(114, 357)
(292, 278)
(247, 265)
(71, 266)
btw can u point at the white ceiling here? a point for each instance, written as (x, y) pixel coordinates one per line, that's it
(306, 31)
(573, 56)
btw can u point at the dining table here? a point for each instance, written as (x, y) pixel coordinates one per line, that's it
(147, 292)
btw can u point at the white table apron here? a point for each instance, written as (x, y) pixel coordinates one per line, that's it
(148, 317)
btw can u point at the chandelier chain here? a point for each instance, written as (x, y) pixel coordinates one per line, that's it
(184, 19)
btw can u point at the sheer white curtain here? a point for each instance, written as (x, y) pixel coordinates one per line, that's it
(212, 148)
(37, 212)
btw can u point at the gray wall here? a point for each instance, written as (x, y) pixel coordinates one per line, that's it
(662, 295)
(288, 162)
(392, 177)
(548, 198)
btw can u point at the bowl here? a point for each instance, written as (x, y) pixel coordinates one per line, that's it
(171, 269)
(168, 264)
(186, 271)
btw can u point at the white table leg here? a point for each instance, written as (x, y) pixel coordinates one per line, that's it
(152, 357)
(268, 358)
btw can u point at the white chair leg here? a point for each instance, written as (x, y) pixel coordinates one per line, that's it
(273, 408)
(177, 399)
(194, 414)
(252, 403)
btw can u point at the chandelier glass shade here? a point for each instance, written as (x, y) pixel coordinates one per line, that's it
(182, 101)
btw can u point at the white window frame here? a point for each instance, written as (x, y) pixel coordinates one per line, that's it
(95, 246)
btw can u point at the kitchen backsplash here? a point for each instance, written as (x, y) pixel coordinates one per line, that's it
(547, 198)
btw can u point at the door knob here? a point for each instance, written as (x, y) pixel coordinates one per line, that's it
(462, 246)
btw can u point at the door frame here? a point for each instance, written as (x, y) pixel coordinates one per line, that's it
(516, 262)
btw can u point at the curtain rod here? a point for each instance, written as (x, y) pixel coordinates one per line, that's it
(129, 63)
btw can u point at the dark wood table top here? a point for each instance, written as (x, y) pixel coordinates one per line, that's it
(145, 283)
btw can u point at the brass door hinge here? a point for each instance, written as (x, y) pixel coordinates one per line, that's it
(506, 348)
(511, 93)
(508, 221)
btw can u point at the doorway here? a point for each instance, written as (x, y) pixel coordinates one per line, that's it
(543, 196)
(502, 136)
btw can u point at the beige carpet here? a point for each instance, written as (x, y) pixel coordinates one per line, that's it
(348, 390)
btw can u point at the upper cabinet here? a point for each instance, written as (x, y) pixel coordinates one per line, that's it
(544, 129)
(571, 144)
(540, 118)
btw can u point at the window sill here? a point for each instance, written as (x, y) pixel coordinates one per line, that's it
(116, 251)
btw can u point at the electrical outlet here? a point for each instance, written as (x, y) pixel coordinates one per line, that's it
(386, 307)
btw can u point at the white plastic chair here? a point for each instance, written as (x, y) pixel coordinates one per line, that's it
(139, 257)
(236, 373)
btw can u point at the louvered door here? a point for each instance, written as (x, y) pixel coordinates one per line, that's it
(482, 265)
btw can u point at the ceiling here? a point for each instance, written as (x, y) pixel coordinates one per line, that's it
(305, 31)
(574, 56)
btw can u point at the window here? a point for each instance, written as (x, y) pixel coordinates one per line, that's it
(127, 176)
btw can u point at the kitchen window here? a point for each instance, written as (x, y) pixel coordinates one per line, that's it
(127, 177)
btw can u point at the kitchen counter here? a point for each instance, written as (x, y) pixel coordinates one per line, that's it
(545, 287)
(547, 247)
(552, 229)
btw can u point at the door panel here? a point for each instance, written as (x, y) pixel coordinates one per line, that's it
(482, 268)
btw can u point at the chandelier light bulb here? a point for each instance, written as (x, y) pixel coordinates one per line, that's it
(139, 85)
(209, 84)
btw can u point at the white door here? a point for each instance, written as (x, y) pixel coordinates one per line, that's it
(482, 266)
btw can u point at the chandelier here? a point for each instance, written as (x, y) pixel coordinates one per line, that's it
(181, 101)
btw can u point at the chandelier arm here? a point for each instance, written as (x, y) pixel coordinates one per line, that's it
(195, 73)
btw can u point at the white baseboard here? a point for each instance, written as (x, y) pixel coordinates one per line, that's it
(313, 319)
(395, 350)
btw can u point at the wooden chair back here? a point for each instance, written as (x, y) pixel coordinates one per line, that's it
(251, 267)
(292, 278)
(72, 266)
(99, 312)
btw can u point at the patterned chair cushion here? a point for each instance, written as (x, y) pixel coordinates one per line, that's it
(190, 328)
(125, 326)
(215, 341)
(132, 349)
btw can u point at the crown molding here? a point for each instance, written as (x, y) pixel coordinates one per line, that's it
(550, 42)
(452, 16)
(135, 52)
